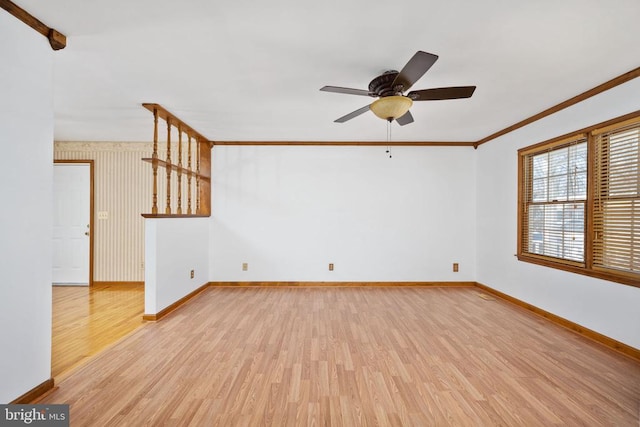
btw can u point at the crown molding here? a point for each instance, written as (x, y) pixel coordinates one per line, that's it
(354, 143)
(623, 78)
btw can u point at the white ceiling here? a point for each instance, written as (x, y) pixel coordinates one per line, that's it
(250, 71)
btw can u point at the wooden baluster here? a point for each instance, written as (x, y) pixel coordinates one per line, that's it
(154, 163)
(168, 208)
(198, 176)
(179, 211)
(189, 177)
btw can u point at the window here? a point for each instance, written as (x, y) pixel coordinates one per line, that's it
(579, 202)
(556, 198)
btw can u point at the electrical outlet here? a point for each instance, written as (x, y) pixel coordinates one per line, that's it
(193, 274)
(330, 266)
(455, 267)
(245, 266)
(103, 215)
(142, 265)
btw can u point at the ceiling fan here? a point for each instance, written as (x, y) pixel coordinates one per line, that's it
(389, 88)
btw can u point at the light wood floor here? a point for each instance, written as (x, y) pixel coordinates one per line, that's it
(352, 356)
(88, 319)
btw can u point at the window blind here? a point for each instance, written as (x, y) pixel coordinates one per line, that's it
(616, 204)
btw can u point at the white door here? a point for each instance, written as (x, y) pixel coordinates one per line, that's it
(71, 218)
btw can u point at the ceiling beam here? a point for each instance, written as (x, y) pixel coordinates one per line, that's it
(57, 40)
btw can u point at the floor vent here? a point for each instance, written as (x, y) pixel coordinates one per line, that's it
(485, 296)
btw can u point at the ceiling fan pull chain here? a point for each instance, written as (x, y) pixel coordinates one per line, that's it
(389, 137)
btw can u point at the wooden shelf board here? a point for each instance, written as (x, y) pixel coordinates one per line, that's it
(174, 167)
(150, 215)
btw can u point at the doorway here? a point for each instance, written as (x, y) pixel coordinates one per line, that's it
(85, 319)
(73, 222)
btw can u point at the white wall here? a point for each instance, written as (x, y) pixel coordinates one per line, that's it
(606, 307)
(289, 211)
(174, 247)
(26, 172)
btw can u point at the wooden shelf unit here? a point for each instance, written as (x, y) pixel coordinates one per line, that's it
(201, 173)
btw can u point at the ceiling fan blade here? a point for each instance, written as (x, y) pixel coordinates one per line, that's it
(346, 90)
(414, 69)
(440, 93)
(352, 114)
(405, 119)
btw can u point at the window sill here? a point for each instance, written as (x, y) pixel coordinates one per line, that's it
(609, 275)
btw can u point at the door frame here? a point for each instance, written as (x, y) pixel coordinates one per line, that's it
(91, 207)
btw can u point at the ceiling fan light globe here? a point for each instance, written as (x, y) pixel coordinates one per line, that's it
(391, 107)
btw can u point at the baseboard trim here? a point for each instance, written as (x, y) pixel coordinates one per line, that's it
(618, 346)
(118, 283)
(162, 313)
(341, 284)
(35, 392)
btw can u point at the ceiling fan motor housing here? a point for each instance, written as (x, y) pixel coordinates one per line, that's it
(381, 85)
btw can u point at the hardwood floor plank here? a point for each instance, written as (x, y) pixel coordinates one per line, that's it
(352, 356)
(87, 320)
